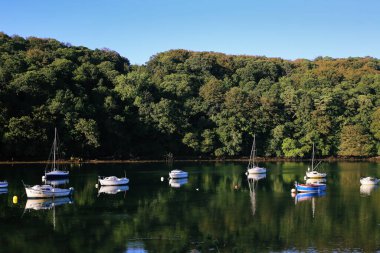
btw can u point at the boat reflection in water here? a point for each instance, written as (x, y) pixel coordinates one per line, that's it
(305, 196)
(3, 190)
(253, 180)
(113, 189)
(308, 196)
(316, 181)
(367, 189)
(45, 204)
(56, 182)
(135, 246)
(177, 183)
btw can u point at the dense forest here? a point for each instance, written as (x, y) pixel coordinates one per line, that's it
(182, 102)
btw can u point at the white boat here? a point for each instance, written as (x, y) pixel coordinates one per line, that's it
(178, 174)
(369, 181)
(313, 173)
(3, 184)
(112, 180)
(252, 167)
(55, 171)
(113, 189)
(47, 191)
(177, 183)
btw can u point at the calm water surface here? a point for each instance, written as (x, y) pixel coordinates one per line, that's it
(217, 210)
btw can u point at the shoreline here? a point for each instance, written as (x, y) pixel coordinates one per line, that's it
(194, 159)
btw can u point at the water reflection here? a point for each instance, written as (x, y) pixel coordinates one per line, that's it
(304, 196)
(113, 189)
(367, 189)
(177, 183)
(218, 216)
(253, 180)
(3, 190)
(135, 247)
(45, 204)
(56, 182)
(316, 181)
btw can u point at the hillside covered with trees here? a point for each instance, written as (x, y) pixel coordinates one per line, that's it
(187, 103)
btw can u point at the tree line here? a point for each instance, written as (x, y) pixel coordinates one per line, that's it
(183, 102)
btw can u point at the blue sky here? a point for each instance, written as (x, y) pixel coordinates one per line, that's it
(138, 29)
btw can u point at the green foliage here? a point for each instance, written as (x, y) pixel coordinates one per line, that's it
(183, 102)
(354, 141)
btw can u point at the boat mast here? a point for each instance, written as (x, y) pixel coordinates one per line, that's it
(54, 146)
(252, 156)
(312, 160)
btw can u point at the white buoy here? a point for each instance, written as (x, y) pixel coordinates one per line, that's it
(96, 185)
(305, 177)
(43, 177)
(162, 179)
(293, 190)
(197, 189)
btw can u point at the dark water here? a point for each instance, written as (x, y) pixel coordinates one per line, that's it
(217, 210)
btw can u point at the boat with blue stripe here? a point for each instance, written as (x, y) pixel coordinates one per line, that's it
(310, 187)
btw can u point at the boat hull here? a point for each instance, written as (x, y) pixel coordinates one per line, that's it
(315, 174)
(178, 174)
(57, 174)
(369, 181)
(32, 192)
(113, 182)
(256, 170)
(310, 187)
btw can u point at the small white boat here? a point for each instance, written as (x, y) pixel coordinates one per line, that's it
(113, 189)
(369, 180)
(112, 180)
(252, 167)
(178, 174)
(313, 173)
(47, 191)
(3, 184)
(177, 183)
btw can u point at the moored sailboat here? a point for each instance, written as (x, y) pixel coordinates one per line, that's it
(252, 167)
(178, 174)
(47, 191)
(112, 180)
(55, 172)
(313, 173)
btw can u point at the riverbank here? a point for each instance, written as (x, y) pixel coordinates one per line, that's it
(201, 159)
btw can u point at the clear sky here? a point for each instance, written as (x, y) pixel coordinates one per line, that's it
(138, 29)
